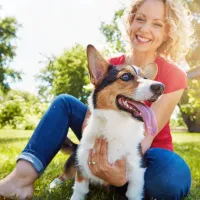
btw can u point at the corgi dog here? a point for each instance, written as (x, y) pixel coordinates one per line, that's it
(119, 115)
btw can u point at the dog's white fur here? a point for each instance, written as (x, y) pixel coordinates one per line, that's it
(117, 128)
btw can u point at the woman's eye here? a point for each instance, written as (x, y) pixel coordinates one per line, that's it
(140, 19)
(126, 77)
(158, 25)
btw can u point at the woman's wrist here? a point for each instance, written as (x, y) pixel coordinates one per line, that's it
(146, 143)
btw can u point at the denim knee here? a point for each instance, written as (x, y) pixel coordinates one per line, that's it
(167, 176)
(63, 99)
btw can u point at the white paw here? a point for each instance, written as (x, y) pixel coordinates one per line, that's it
(134, 197)
(55, 183)
(76, 196)
(131, 195)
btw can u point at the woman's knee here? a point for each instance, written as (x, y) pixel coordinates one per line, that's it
(166, 177)
(66, 101)
(63, 98)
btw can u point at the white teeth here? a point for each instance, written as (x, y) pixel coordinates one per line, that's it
(143, 39)
(125, 103)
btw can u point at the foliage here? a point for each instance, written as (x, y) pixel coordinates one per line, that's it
(20, 110)
(193, 56)
(65, 74)
(12, 143)
(190, 106)
(113, 34)
(8, 29)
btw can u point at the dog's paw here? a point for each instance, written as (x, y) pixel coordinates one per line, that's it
(131, 195)
(56, 182)
(77, 196)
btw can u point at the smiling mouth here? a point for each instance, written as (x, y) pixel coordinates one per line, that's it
(142, 40)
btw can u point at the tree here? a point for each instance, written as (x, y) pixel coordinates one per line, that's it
(20, 110)
(189, 105)
(113, 34)
(193, 56)
(65, 74)
(8, 29)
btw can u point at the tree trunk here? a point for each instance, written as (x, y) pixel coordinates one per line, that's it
(192, 124)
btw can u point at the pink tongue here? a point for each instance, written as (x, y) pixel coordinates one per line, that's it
(148, 117)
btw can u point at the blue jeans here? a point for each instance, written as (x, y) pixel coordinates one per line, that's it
(167, 175)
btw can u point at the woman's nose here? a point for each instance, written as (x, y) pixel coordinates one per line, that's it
(145, 27)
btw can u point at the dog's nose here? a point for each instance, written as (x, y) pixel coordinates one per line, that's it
(157, 88)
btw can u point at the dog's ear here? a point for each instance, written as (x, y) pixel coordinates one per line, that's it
(97, 65)
(150, 71)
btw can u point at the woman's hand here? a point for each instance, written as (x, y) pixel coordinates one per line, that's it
(114, 174)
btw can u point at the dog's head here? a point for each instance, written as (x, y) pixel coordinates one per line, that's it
(123, 88)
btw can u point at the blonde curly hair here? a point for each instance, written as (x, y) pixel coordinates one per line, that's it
(178, 19)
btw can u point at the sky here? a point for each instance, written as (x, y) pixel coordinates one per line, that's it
(50, 26)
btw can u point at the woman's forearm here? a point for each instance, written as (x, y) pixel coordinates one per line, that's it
(146, 143)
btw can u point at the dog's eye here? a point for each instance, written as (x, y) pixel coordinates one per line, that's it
(127, 77)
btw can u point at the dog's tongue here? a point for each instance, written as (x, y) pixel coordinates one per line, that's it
(148, 117)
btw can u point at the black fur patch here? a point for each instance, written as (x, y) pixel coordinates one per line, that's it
(68, 146)
(70, 162)
(143, 160)
(110, 78)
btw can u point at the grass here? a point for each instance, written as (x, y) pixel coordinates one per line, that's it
(12, 143)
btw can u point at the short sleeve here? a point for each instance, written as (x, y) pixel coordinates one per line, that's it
(175, 79)
(117, 60)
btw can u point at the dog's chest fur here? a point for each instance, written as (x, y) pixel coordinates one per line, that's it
(121, 131)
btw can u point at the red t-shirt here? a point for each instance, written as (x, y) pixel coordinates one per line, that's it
(174, 79)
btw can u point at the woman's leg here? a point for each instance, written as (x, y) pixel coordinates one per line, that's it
(167, 176)
(65, 111)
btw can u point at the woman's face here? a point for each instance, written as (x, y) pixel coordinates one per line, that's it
(148, 29)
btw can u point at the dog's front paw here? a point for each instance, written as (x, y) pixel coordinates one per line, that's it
(56, 182)
(77, 196)
(134, 195)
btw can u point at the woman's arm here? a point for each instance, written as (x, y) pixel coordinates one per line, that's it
(163, 109)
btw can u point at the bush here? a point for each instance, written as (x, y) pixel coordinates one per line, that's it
(21, 110)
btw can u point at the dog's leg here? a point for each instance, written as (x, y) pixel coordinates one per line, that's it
(81, 187)
(136, 182)
(69, 172)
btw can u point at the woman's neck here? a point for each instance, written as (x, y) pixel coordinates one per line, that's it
(140, 59)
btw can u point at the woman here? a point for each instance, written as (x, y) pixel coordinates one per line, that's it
(157, 30)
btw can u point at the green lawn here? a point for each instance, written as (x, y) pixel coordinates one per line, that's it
(12, 142)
